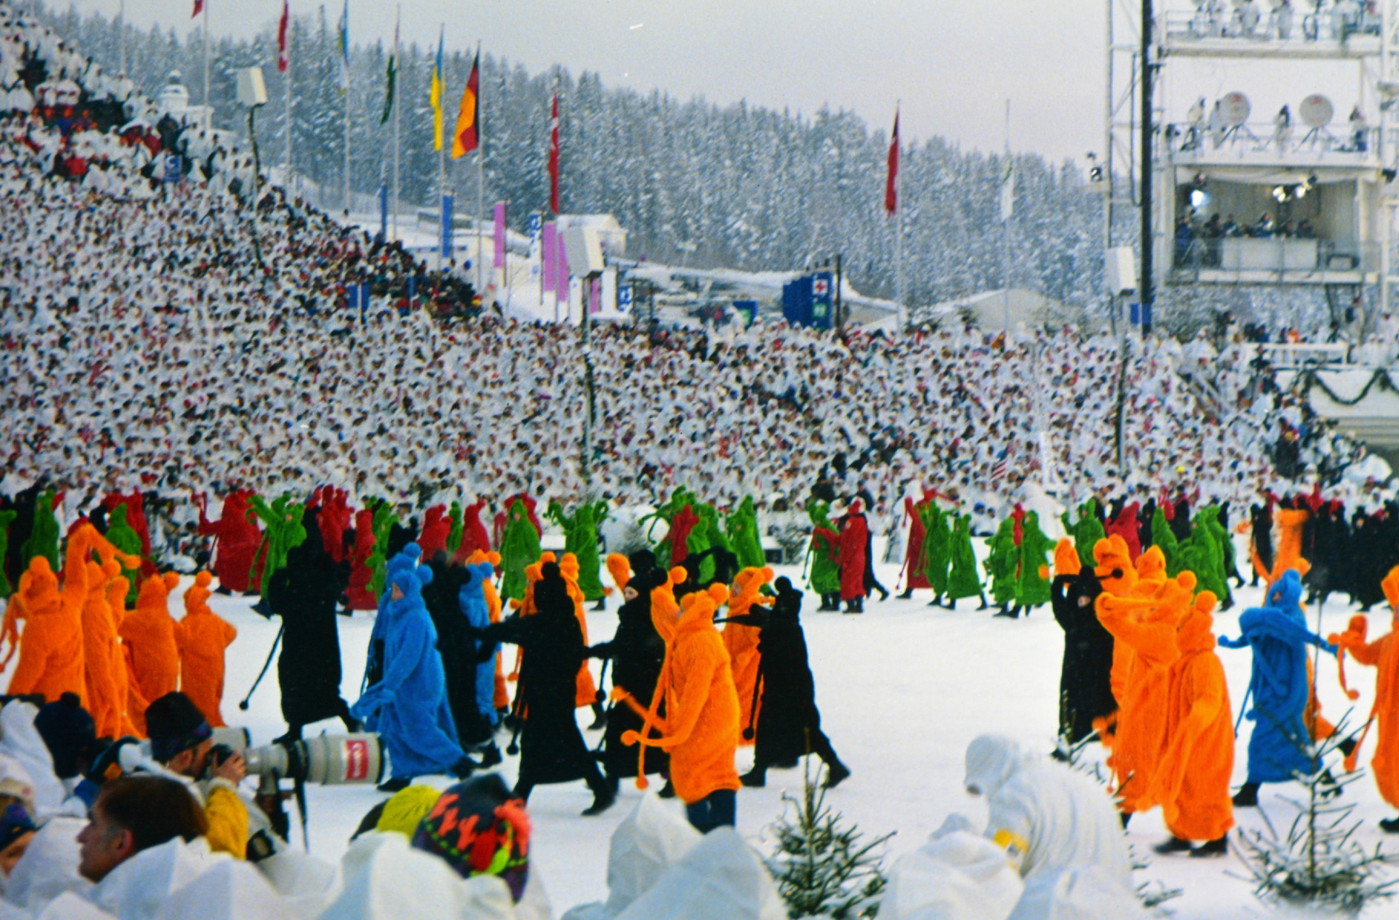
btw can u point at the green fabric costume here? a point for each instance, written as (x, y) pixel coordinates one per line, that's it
(825, 571)
(43, 539)
(745, 536)
(937, 547)
(1035, 551)
(580, 539)
(6, 517)
(1086, 531)
(1001, 561)
(963, 580)
(454, 535)
(1164, 539)
(125, 538)
(282, 531)
(377, 563)
(519, 548)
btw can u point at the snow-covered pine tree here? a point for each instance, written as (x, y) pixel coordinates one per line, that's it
(1317, 864)
(823, 866)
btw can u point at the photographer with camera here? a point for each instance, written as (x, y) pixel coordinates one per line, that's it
(182, 743)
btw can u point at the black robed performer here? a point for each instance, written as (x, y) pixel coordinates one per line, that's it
(637, 653)
(789, 724)
(1085, 685)
(551, 746)
(304, 593)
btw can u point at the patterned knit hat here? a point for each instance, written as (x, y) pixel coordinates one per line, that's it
(479, 829)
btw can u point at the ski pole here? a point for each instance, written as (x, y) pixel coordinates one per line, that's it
(243, 704)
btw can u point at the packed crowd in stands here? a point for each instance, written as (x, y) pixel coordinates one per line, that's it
(198, 348)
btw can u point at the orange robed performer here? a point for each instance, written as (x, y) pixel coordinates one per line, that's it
(202, 636)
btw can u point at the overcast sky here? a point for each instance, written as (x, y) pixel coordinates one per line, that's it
(950, 64)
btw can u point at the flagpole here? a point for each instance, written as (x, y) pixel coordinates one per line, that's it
(286, 92)
(1005, 237)
(208, 108)
(448, 239)
(398, 15)
(899, 234)
(345, 80)
(121, 38)
(480, 185)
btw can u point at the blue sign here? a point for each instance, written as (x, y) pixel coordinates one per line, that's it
(383, 211)
(174, 167)
(624, 296)
(446, 228)
(1140, 316)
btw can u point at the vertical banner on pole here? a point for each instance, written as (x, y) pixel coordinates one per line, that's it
(536, 229)
(549, 253)
(383, 211)
(561, 268)
(446, 229)
(499, 235)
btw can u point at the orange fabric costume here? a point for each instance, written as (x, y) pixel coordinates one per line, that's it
(587, 689)
(51, 644)
(501, 699)
(1143, 624)
(741, 642)
(701, 725)
(201, 638)
(149, 634)
(1289, 552)
(104, 664)
(1383, 655)
(1191, 781)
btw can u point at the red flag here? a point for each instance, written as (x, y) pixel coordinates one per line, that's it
(554, 156)
(282, 60)
(891, 187)
(198, 8)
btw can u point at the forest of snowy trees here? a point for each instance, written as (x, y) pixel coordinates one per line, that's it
(736, 186)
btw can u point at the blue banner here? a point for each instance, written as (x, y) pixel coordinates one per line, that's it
(383, 211)
(446, 229)
(174, 167)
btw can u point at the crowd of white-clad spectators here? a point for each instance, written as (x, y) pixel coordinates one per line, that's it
(147, 347)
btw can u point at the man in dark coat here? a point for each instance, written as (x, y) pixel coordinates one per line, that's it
(304, 593)
(789, 724)
(637, 653)
(1085, 686)
(551, 746)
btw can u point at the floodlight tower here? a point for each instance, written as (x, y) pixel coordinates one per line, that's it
(1309, 189)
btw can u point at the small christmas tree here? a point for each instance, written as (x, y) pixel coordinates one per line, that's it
(1318, 864)
(822, 866)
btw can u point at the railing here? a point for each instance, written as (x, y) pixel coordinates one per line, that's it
(1316, 21)
(1282, 256)
(1292, 356)
(1203, 140)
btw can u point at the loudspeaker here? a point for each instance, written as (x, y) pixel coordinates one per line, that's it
(252, 89)
(1121, 269)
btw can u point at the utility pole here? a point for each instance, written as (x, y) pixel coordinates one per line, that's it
(1144, 285)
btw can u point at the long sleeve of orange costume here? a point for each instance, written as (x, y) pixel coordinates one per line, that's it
(702, 719)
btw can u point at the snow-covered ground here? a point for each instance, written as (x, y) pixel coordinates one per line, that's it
(902, 689)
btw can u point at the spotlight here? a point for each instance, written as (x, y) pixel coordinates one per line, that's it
(1280, 192)
(1199, 198)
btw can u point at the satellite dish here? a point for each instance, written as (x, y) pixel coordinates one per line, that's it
(1316, 111)
(1235, 108)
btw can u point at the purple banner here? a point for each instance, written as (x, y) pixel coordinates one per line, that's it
(500, 234)
(561, 266)
(548, 252)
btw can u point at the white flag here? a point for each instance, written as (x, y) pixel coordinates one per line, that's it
(1008, 190)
